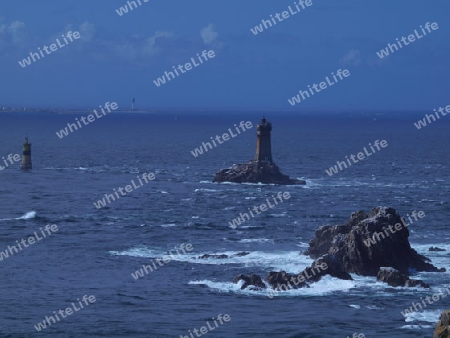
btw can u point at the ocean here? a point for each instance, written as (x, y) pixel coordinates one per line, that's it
(96, 251)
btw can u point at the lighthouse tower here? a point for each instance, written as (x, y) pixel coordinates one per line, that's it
(263, 147)
(26, 157)
(132, 104)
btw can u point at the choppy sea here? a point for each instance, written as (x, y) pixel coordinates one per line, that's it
(95, 251)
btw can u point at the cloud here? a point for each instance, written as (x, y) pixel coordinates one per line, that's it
(87, 31)
(125, 49)
(209, 34)
(353, 57)
(17, 31)
(150, 46)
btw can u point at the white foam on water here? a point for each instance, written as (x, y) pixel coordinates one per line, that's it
(438, 258)
(28, 215)
(144, 252)
(289, 261)
(416, 327)
(205, 190)
(325, 286)
(257, 240)
(279, 215)
(430, 316)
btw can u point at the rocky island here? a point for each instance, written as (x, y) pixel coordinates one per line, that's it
(261, 169)
(339, 250)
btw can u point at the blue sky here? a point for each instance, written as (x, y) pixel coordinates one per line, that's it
(118, 57)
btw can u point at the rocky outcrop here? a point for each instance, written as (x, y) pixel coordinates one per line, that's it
(285, 281)
(249, 281)
(395, 278)
(223, 256)
(443, 326)
(368, 242)
(365, 245)
(434, 248)
(255, 172)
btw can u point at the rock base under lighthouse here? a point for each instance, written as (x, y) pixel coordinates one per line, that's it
(255, 172)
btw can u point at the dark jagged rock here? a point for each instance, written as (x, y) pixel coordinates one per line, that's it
(334, 268)
(255, 172)
(395, 278)
(250, 280)
(347, 244)
(343, 249)
(213, 256)
(222, 256)
(443, 326)
(434, 248)
(240, 254)
(283, 280)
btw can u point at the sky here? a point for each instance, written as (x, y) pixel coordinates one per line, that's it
(118, 57)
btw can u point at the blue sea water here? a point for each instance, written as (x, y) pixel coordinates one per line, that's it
(95, 251)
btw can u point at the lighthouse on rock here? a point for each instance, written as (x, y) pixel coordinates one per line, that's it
(263, 147)
(261, 169)
(26, 157)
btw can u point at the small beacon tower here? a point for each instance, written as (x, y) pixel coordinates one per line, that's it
(263, 147)
(132, 104)
(26, 157)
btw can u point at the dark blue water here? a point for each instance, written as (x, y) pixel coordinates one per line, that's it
(95, 251)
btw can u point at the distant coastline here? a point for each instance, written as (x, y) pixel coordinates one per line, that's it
(65, 111)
